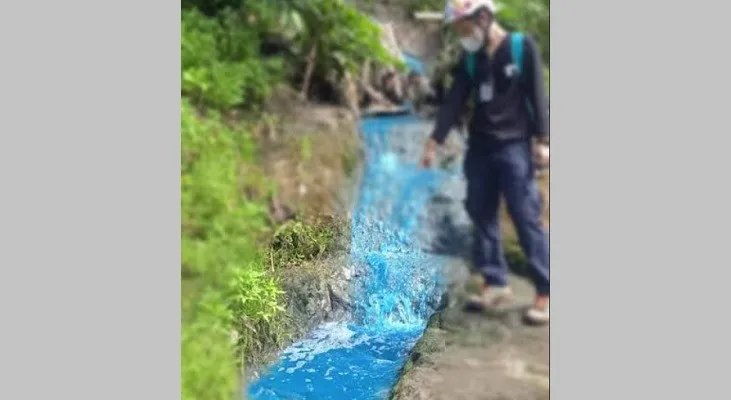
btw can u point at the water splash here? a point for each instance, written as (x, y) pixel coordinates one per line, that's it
(397, 285)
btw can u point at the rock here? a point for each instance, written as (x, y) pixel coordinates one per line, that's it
(340, 301)
(317, 293)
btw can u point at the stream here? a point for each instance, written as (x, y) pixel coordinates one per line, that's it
(397, 283)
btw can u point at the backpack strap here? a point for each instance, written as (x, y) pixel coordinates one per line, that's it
(471, 62)
(516, 49)
(517, 40)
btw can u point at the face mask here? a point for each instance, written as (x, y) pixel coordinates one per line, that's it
(474, 42)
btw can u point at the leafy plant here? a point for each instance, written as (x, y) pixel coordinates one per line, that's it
(221, 63)
(333, 36)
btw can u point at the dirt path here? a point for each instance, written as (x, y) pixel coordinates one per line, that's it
(464, 355)
(478, 356)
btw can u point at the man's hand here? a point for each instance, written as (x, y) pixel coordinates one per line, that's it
(430, 153)
(540, 154)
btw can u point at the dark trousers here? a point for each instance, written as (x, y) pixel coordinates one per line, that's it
(506, 170)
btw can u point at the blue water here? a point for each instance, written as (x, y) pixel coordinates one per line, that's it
(396, 282)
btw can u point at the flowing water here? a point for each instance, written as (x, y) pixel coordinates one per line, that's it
(397, 284)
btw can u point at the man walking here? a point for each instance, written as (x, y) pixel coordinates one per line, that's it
(508, 139)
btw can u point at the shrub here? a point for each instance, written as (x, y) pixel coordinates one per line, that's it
(221, 64)
(221, 42)
(297, 241)
(344, 37)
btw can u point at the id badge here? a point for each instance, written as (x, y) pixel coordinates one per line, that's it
(486, 92)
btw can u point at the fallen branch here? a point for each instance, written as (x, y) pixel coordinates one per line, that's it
(311, 58)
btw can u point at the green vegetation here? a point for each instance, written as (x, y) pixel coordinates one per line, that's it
(227, 292)
(531, 17)
(296, 242)
(234, 54)
(222, 59)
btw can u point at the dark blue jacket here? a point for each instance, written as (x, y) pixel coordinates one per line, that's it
(508, 105)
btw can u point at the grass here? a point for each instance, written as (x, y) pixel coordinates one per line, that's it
(230, 306)
(233, 253)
